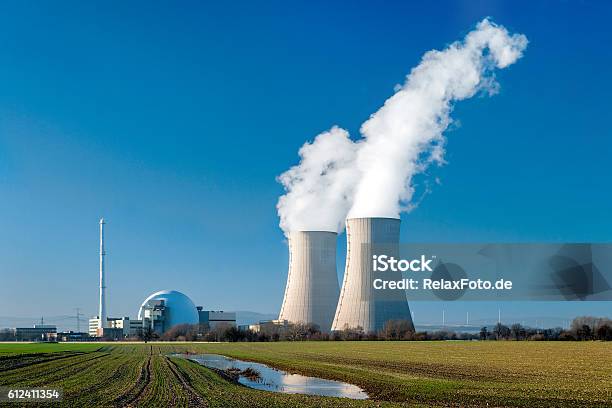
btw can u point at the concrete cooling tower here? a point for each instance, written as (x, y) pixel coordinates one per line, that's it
(360, 305)
(312, 288)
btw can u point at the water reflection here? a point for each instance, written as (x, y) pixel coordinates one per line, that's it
(272, 379)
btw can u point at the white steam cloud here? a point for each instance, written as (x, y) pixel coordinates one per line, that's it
(372, 177)
(320, 188)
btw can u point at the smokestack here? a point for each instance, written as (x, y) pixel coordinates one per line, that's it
(360, 305)
(102, 306)
(312, 288)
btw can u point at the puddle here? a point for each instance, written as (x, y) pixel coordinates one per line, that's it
(271, 379)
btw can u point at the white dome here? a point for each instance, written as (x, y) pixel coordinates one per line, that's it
(180, 309)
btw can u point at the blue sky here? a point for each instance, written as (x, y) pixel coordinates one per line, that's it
(173, 120)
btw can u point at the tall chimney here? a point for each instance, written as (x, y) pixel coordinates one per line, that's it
(312, 288)
(360, 305)
(102, 306)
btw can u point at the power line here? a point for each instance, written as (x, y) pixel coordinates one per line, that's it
(78, 319)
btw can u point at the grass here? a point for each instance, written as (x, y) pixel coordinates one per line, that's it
(525, 374)
(21, 348)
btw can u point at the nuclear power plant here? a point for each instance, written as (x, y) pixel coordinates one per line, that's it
(359, 304)
(158, 313)
(312, 287)
(312, 295)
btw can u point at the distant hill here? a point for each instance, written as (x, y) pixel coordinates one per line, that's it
(246, 317)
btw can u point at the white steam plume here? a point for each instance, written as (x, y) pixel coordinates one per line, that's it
(320, 188)
(372, 177)
(405, 135)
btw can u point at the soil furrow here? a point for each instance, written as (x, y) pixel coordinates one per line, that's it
(194, 398)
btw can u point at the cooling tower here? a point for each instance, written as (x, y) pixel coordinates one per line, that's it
(360, 305)
(312, 288)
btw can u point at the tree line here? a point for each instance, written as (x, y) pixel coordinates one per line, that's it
(582, 328)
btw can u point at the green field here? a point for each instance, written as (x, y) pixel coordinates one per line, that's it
(526, 374)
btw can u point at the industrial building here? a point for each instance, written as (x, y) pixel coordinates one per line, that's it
(126, 326)
(270, 327)
(166, 308)
(360, 305)
(72, 336)
(94, 325)
(213, 319)
(311, 294)
(39, 332)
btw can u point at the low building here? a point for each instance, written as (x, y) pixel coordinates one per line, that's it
(131, 328)
(7, 334)
(212, 319)
(110, 333)
(128, 327)
(270, 327)
(72, 336)
(39, 332)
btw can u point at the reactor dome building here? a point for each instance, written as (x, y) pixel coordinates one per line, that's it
(311, 294)
(360, 305)
(167, 308)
